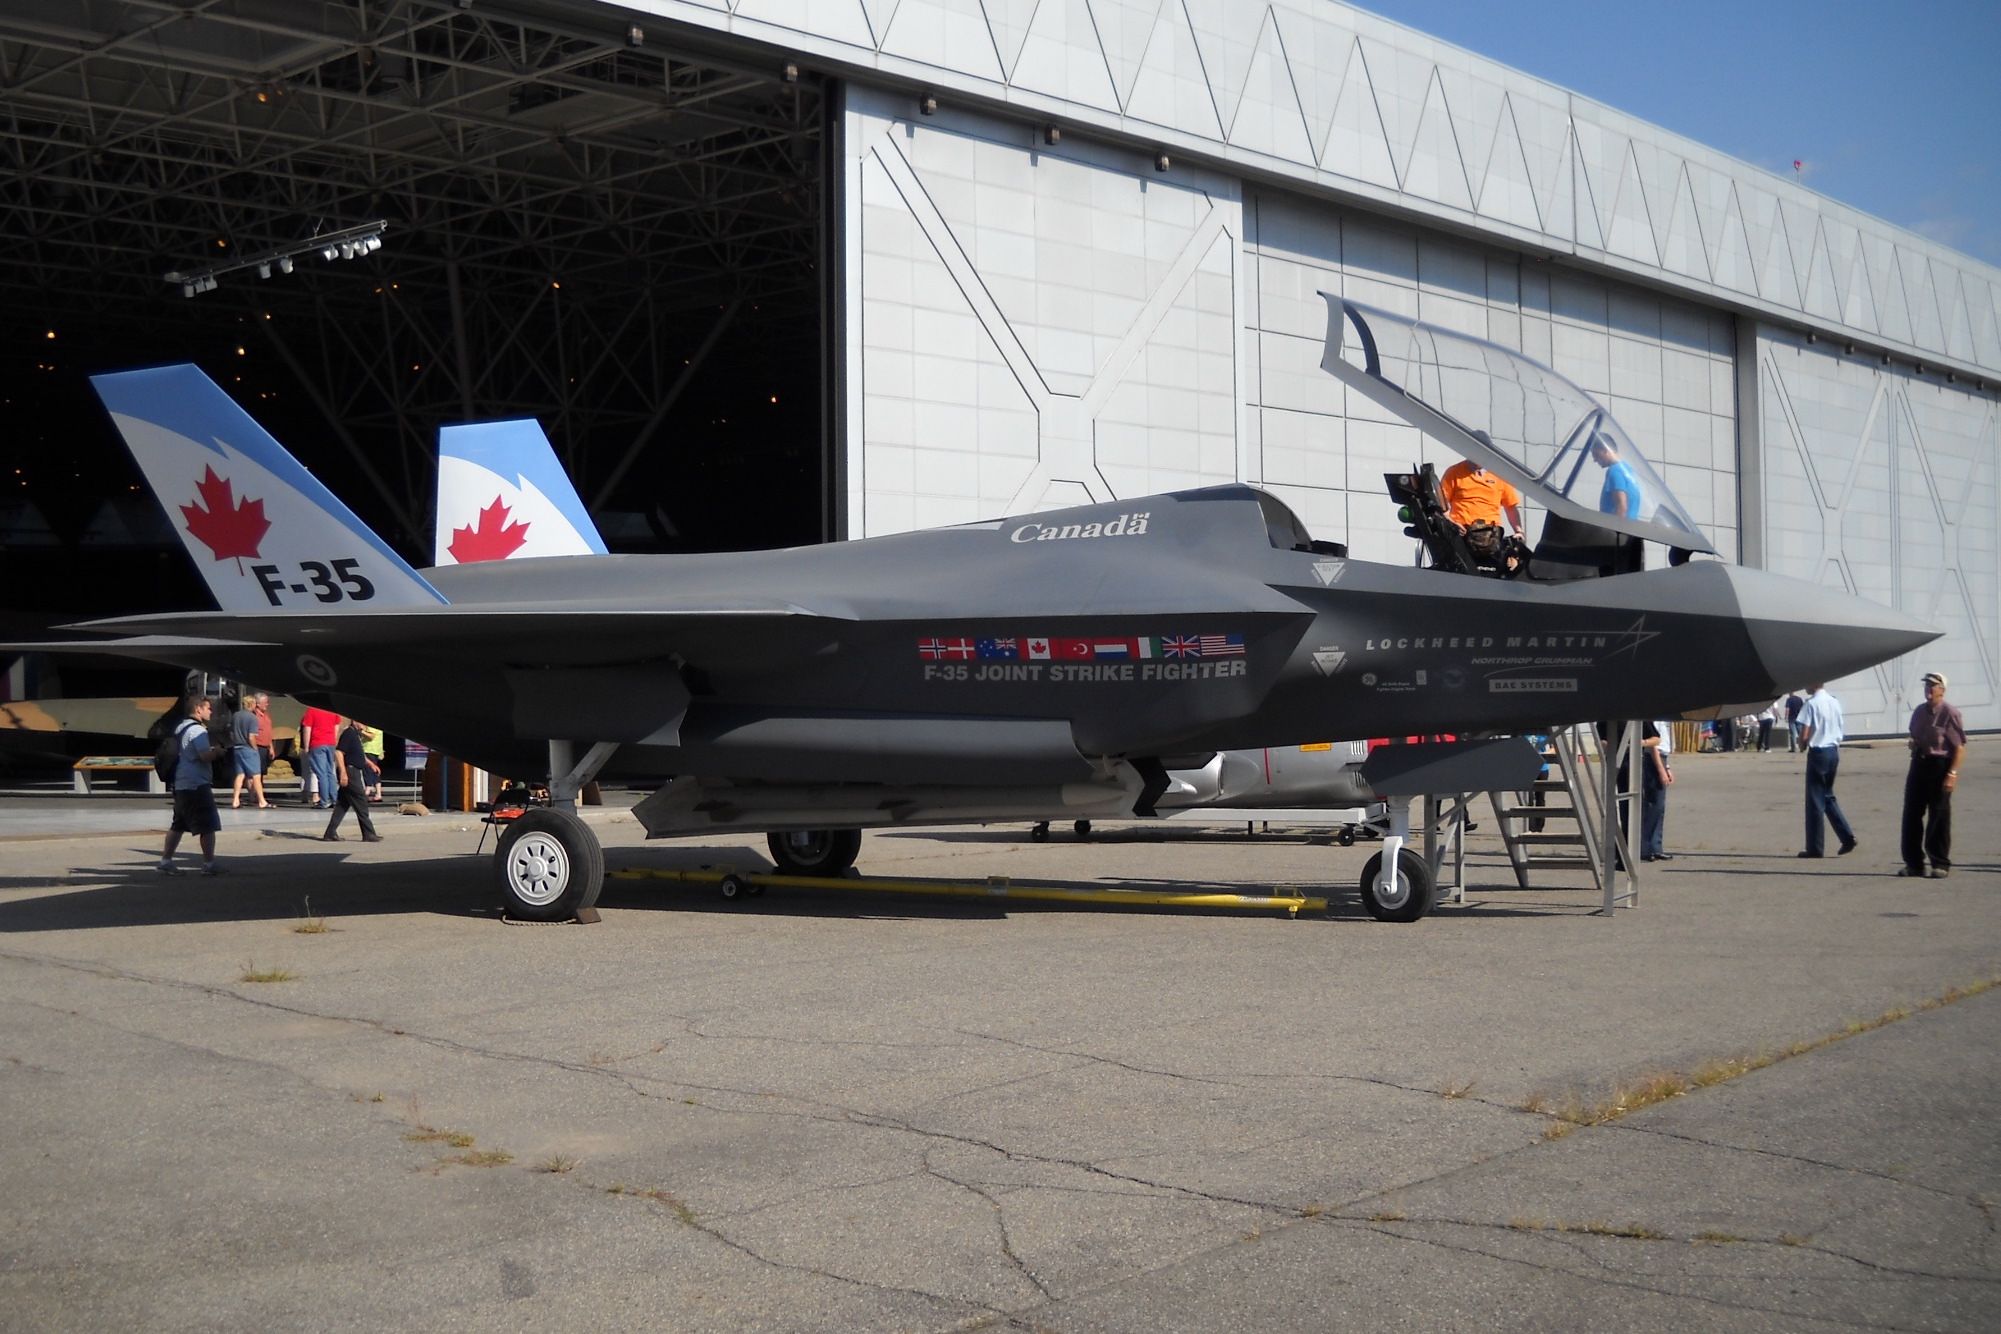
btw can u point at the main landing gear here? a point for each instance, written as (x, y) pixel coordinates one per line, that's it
(815, 852)
(549, 865)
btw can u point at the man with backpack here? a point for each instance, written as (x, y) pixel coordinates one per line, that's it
(194, 752)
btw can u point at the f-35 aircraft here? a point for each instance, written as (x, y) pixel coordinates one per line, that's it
(1007, 669)
(503, 495)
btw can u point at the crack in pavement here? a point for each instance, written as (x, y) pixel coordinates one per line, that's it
(1000, 1224)
(1973, 1202)
(1608, 1279)
(1577, 1234)
(687, 1218)
(1094, 1058)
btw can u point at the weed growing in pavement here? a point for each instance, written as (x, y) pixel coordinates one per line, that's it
(252, 973)
(556, 1164)
(1652, 1089)
(309, 925)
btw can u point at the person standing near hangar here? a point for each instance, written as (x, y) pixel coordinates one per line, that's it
(1820, 728)
(319, 729)
(1938, 744)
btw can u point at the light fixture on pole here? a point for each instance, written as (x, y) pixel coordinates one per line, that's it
(346, 243)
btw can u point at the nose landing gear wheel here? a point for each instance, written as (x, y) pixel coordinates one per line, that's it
(1407, 900)
(818, 852)
(549, 865)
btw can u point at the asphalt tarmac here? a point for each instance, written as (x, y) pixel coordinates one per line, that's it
(817, 1111)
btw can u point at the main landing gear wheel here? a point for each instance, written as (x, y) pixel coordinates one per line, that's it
(818, 852)
(1408, 900)
(550, 866)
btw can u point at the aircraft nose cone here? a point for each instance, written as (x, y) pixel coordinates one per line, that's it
(1806, 633)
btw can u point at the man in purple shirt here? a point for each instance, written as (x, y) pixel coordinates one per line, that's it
(1938, 743)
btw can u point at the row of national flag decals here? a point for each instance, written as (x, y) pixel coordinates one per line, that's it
(1091, 648)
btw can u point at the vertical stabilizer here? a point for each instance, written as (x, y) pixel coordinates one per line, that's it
(262, 530)
(503, 494)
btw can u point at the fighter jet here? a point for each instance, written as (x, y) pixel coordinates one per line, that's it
(504, 495)
(1004, 669)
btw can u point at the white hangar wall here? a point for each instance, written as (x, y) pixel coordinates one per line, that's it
(1342, 104)
(1884, 482)
(1032, 326)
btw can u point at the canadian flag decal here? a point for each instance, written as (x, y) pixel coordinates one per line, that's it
(229, 528)
(494, 537)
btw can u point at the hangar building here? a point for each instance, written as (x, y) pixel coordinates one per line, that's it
(777, 270)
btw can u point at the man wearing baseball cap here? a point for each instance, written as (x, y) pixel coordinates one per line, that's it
(1938, 744)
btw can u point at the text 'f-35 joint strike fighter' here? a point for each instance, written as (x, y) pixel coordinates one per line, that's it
(997, 670)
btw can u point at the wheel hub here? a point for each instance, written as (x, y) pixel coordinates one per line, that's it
(538, 869)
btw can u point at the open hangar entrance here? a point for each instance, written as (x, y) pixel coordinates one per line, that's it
(620, 231)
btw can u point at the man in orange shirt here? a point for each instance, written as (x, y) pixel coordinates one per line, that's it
(1474, 495)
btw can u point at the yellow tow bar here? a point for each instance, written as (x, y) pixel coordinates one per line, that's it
(732, 883)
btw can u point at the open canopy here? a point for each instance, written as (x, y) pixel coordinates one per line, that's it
(1508, 413)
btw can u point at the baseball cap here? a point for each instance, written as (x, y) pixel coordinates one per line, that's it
(1930, 677)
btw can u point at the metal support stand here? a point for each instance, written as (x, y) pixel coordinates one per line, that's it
(566, 780)
(1394, 838)
(1618, 853)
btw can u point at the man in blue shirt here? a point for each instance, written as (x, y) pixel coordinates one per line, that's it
(194, 786)
(1622, 494)
(1820, 727)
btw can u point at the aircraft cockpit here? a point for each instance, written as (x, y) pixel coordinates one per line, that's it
(1512, 415)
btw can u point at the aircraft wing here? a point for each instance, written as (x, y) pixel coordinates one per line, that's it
(623, 629)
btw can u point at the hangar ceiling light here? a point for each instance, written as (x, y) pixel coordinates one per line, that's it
(678, 186)
(346, 243)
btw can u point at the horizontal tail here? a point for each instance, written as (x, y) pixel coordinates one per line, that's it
(262, 530)
(502, 494)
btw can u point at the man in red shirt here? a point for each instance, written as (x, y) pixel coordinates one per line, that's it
(318, 731)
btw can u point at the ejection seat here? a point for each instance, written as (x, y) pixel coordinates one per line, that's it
(1421, 506)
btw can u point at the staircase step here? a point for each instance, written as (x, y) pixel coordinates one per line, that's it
(1550, 839)
(1540, 863)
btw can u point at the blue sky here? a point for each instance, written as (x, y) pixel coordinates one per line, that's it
(1894, 108)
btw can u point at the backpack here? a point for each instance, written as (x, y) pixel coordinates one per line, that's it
(168, 757)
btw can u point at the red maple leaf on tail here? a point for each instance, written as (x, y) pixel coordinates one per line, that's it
(495, 538)
(228, 527)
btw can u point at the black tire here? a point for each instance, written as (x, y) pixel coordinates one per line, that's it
(1346, 838)
(730, 886)
(1038, 833)
(1413, 878)
(816, 852)
(1082, 828)
(549, 865)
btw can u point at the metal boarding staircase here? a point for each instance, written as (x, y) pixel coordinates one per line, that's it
(1577, 790)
